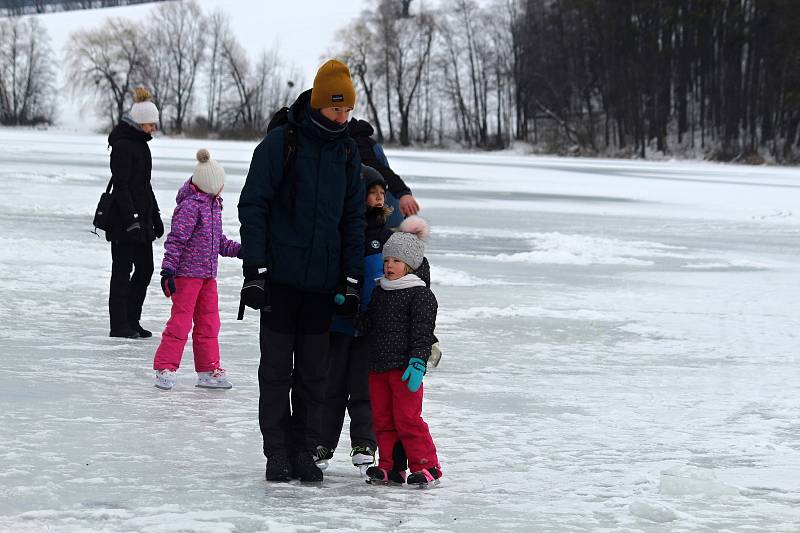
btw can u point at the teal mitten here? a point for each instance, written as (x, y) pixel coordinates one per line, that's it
(414, 373)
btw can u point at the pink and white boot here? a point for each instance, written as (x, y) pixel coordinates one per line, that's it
(425, 477)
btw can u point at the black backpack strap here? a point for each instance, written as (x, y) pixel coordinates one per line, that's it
(108, 187)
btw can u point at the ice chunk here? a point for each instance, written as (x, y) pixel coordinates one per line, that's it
(654, 512)
(680, 480)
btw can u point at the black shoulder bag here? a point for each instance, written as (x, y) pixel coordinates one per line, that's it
(102, 215)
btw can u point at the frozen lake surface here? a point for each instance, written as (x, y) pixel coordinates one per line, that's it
(620, 354)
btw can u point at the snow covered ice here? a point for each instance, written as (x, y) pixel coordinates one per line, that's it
(606, 325)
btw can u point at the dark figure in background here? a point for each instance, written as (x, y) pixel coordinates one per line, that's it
(399, 197)
(135, 221)
(302, 231)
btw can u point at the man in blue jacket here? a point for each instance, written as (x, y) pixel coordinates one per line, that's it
(302, 228)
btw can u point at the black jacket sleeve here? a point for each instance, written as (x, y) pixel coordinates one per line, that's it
(368, 157)
(353, 221)
(256, 198)
(423, 321)
(122, 162)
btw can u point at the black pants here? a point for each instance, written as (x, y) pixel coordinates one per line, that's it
(291, 373)
(347, 388)
(127, 292)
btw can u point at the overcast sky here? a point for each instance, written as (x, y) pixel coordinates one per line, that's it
(303, 30)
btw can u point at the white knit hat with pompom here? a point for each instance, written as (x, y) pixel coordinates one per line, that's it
(143, 111)
(408, 244)
(209, 176)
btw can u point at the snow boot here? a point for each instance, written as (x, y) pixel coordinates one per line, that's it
(322, 456)
(378, 476)
(216, 379)
(143, 333)
(304, 469)
(425, 477)
(363, 458)
(165, 379)
(127, 333)
(278, 468)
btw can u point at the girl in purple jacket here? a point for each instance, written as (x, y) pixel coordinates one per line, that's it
(188, 276)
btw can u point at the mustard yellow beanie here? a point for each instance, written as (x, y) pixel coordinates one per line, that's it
(333, 86)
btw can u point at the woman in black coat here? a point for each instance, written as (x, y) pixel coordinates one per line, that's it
(135, 218)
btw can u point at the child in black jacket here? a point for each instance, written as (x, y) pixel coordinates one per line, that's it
(399, 326)
(347, 386)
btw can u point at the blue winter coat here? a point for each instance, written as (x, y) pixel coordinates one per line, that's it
(375, 237)
(312, 244)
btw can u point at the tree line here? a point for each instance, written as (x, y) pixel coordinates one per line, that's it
(718, 78)
(712, 78)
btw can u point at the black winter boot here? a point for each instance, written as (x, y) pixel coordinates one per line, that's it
(143, 333)
(304, 469)
(278, 468)
(125, 333)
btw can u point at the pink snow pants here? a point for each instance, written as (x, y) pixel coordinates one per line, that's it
(397, 416)
(194, 300)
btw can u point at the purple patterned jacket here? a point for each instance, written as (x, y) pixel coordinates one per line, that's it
(195, 239)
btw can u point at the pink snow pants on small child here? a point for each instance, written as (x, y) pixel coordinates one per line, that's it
(194, 300)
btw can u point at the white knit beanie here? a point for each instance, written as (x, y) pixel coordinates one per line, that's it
(408, 244)
(209, 176)
(143, 111)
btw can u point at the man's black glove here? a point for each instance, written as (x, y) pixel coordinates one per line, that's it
(134, 230)
(255, 287)
(347, 298)
(158, 225)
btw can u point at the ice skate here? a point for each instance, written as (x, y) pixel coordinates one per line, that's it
(216, 379)
(378, 476)
(363, 458)
(427, 477)
(322, 456)
(165, 379)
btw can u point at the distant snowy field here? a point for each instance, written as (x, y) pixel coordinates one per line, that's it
(620, 354)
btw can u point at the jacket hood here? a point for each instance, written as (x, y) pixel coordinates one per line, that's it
(360, 128)
(123, 130)
(424, 272)
(189, 190)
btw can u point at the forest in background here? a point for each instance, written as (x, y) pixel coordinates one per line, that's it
(714, 79)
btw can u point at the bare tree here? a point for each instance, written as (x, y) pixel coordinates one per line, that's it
(358, 51)
(407, 60)
(218, 32)
(26, 72)
(239, 109)
(180, 37)
(107, 62)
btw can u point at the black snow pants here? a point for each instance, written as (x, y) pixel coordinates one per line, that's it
(291, 373)
(347, 388)
(127, 293)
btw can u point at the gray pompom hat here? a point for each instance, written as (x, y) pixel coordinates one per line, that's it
(408, 244)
